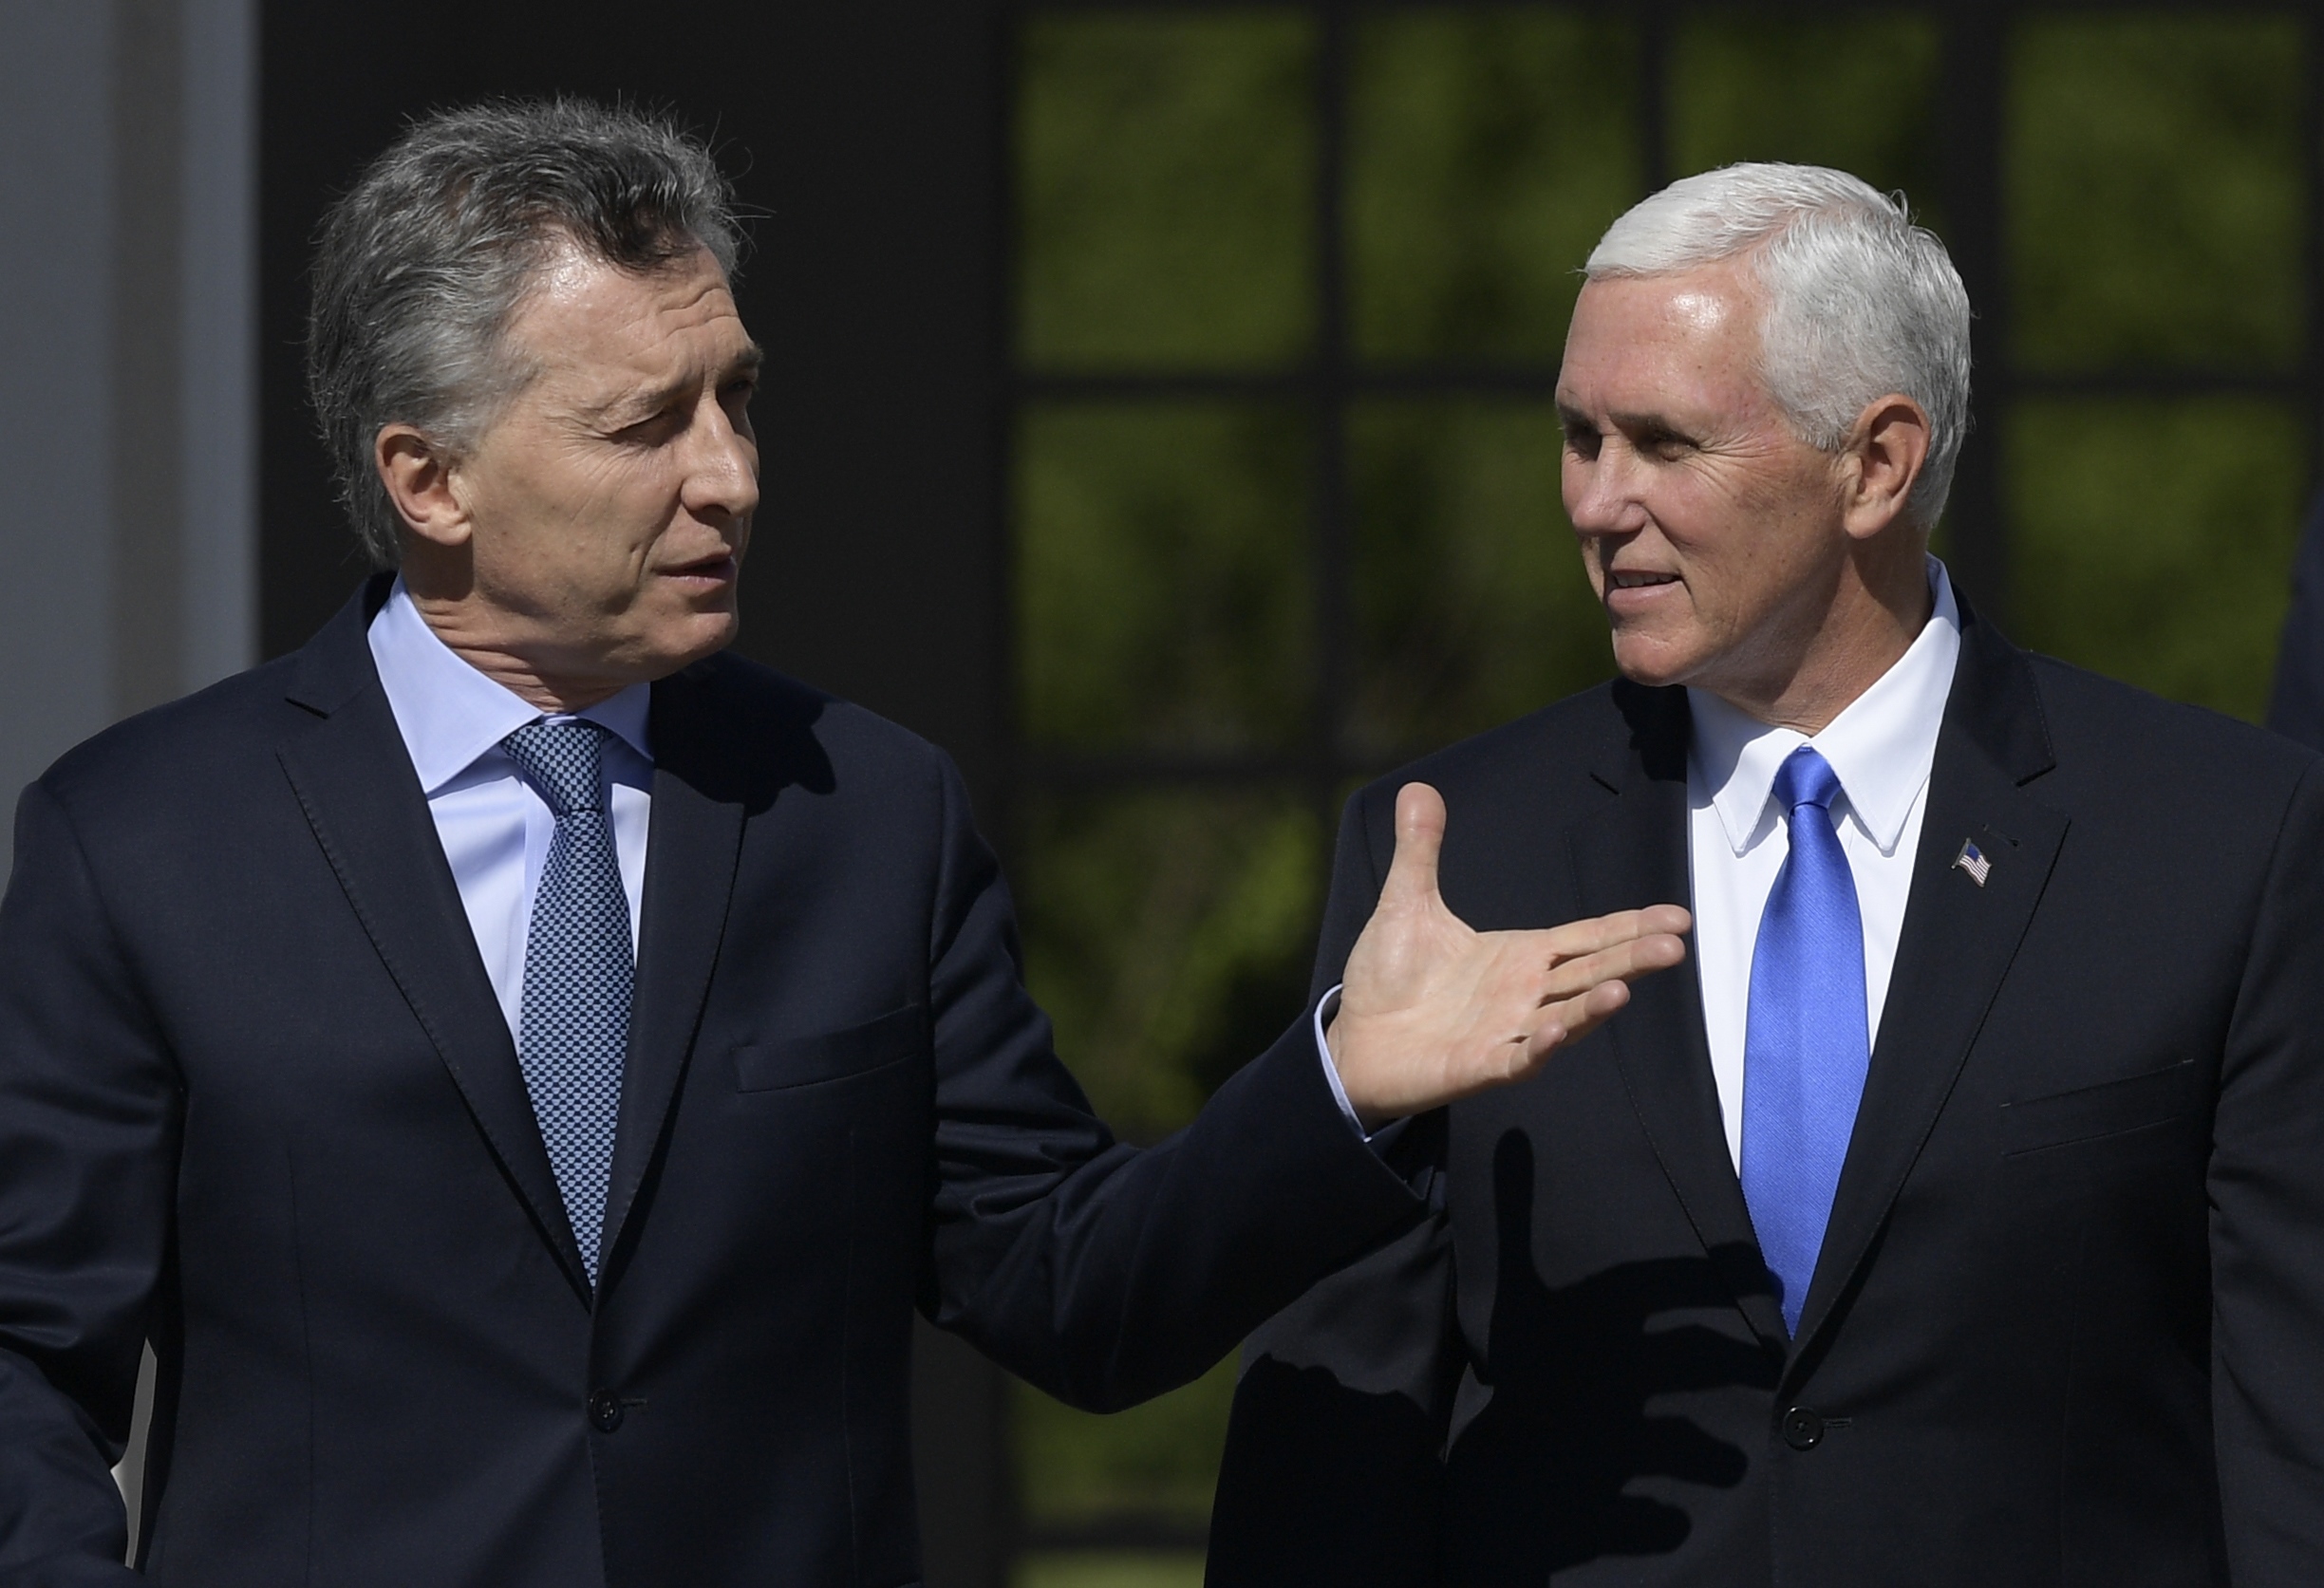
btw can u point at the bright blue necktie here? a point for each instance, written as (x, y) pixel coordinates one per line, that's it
(577, 975)
(1805, 1047)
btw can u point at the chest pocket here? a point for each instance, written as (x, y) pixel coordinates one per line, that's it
(2093, 1113)
(830, 1055)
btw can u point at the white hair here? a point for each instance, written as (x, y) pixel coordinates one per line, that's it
(1860, 301)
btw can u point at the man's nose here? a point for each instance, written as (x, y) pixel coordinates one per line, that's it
(1601, 492)
(721, 477)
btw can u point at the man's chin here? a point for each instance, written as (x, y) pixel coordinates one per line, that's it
(678, 647)
(1653, 664)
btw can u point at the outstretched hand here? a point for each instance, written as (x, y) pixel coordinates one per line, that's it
(1432, 1011)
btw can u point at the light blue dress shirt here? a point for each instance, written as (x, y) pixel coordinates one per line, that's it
(494, 827)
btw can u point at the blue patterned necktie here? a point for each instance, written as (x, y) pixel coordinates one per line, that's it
(578, 973)
(1805, 1047)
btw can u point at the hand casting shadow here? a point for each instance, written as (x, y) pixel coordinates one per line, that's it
(1539, 1479)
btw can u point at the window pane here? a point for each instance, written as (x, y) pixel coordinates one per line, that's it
(1470, 604)
(1161, 576)
(1169, 934)
(1856, 92)
(2153, 181)
(1165, 182)
(1489, 148)
(2153, 540)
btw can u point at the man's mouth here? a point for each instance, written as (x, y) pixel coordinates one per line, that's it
(719, 567)
(1637, 581)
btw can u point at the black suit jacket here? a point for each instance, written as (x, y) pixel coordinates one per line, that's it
(2067, 1324)
(257, 1101)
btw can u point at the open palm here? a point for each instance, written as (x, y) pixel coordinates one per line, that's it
(1432, 1010)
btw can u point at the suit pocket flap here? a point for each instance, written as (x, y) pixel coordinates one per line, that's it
(2108, 1109)
(829, 1055)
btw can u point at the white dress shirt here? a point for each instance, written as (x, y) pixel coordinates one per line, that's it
(494, 827)
(1880, 748)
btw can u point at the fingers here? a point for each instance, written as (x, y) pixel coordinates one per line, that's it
(1623, 961)
(1591, 964)
(1419, 837)
(1568, 1020)
(1578, 938)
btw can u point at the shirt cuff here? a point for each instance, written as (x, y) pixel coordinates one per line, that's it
(1325, 1008)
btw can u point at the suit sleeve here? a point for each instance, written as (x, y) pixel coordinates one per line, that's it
(1103, 1274)
(89, 1131)
(2267, 1226)
(1333, 1469)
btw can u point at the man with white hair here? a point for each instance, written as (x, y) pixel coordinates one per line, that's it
(1958, 1214)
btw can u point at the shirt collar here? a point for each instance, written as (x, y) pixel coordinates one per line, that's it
(1880, 746)
(451, 715)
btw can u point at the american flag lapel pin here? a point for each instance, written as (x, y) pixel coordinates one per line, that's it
(1973, 861)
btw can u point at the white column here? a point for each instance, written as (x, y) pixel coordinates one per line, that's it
(128, 383)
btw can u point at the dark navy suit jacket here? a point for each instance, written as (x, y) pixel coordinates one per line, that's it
(2067, 1324)
(257, 1103)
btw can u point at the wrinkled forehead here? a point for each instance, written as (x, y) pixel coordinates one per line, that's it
(1690, 337)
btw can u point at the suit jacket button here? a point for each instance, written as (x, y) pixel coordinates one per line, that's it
(1802, 1428)
(605, 1409)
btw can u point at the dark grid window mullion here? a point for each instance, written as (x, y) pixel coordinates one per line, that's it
(1332, 508)
(1970, 90)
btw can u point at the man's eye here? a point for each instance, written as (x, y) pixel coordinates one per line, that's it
(655, 428)
(1581, 442)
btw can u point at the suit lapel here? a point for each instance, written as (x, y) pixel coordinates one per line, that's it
(696, 837)
(1633, 853)
(1957, 941)
(355, 782)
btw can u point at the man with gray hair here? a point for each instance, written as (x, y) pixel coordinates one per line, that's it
(521, 1067)
(1957, 1214)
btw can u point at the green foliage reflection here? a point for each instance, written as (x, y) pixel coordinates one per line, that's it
(1168, 933)
(1161, 592)
(1165, 168)
(1489, 148)
(2152, 539)
(2156, 192)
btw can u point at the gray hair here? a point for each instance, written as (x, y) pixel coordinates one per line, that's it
(1860, 301)
(422, 264)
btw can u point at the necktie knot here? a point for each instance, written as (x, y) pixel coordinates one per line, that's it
(564, 760)
(1807, 778)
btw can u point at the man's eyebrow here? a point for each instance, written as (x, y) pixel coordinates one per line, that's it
(1651, 423)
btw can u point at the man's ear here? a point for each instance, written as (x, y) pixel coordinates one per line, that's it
(420, 482)
(1886, 453)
